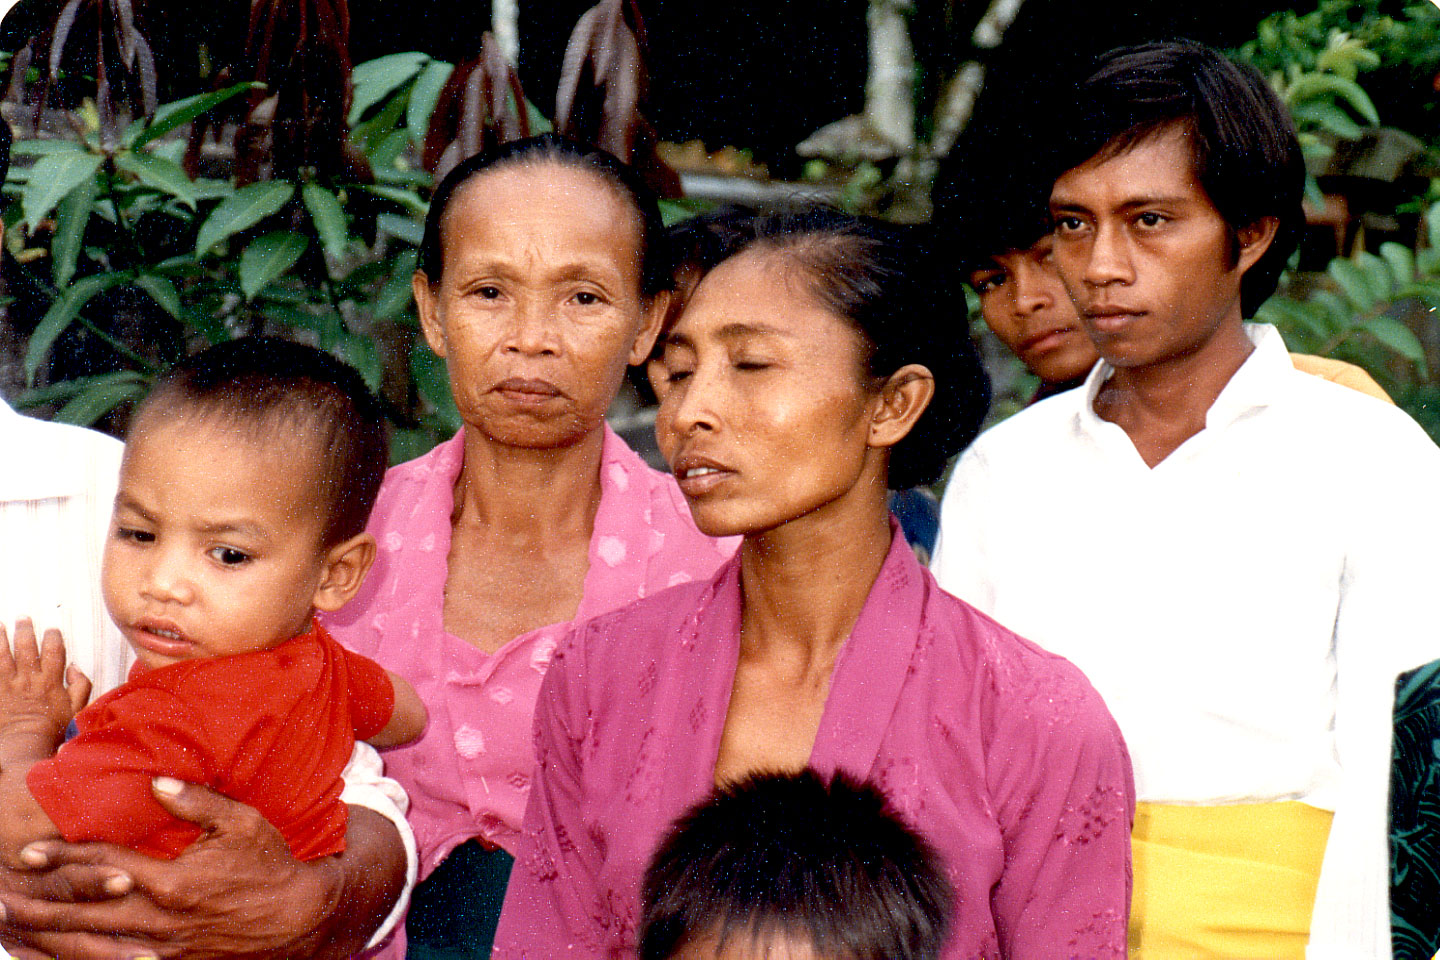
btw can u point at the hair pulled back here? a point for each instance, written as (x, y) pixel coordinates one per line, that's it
(553, 148)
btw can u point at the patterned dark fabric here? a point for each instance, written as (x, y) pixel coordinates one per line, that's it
(1415, 815)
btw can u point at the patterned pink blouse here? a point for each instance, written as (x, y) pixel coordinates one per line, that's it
(469, 774)
(1000, 753)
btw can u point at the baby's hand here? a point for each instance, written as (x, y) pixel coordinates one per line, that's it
(38, 695)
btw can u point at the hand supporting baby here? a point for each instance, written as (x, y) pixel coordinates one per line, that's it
(39, 696)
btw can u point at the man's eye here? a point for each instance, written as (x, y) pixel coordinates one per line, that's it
(488, 293)
(585, 298)
(229, 556)
(1067, 224)
(134, 535)
(1152, 219)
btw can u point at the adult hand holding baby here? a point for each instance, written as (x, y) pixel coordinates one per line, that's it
(235, 892)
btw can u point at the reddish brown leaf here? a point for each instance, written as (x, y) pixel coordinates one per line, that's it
(481, 105)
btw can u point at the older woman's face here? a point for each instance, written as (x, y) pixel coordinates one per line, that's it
(767, 412)
(538, 309)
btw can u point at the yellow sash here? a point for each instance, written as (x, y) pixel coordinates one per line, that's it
(1233, 881)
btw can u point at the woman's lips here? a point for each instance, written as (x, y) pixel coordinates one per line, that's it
(527, 390)
(698, 476)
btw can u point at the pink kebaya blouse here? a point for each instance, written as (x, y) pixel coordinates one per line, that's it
(998, 752)
(469, 773)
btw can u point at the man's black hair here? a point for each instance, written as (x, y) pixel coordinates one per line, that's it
(283, 392)
(791, 857)
(628, 185)
(1247, 158)
(992, 193)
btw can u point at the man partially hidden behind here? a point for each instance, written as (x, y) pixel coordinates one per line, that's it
(1241, 557)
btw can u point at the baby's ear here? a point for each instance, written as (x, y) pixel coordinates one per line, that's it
(344, 571)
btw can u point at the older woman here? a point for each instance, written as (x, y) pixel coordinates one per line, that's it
(809, 370)
(541, 278)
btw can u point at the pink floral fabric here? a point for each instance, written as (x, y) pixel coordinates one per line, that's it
(469, 774)
(1000, 753)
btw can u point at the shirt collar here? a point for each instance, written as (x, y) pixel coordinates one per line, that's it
(1260, 381)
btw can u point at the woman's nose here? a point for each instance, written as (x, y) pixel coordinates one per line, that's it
(532, 330)
(689, 405)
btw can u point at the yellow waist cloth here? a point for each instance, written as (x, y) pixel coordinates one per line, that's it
(1234, 881)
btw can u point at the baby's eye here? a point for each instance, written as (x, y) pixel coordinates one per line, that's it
(134, 535)
(229, 556)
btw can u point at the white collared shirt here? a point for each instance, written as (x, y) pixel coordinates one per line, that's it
(56, 494)
(1243, 607)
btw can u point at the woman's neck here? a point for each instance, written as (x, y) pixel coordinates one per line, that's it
(517, 493)
(805, 582)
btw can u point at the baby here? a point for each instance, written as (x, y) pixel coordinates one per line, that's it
(788, 867)
(247, 479)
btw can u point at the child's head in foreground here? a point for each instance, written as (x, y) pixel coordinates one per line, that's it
(788, 867)
(248, 477)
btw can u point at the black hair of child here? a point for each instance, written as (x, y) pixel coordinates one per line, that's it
(885, 279)
(628, 185)
(286, 391)
(790, 857)
(1247, 158)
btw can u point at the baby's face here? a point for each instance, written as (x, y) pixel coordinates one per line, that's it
(216, 543)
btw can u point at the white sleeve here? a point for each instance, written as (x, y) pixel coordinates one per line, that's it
(367, 786)
(959, 561)
(1388, 622)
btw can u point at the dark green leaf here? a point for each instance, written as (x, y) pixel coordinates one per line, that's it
(433, 384)
(246, 208)
(172, 115)
(71, 219)
(160, 174)
(1396, 336)
(408, 199)
(402, 227)
(360, 353)
(102, 395)
(328, 216)
(60, 315)
(374, 80)
(1353, 282)
(423, 97)
(41, 148)
(396, 294)
(267, 258)
(1329, 118)
(1401, 260)
(51, 178)
(162, 291)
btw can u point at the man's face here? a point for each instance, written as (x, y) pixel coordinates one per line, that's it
(1026, 306)
(1145, 255)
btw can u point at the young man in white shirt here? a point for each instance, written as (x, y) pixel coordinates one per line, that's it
(1241, 557)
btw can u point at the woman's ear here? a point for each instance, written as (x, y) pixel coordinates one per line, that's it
(344, 570)
(650, 323)
(1255, 238)
(905, 395)
(426, 304)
